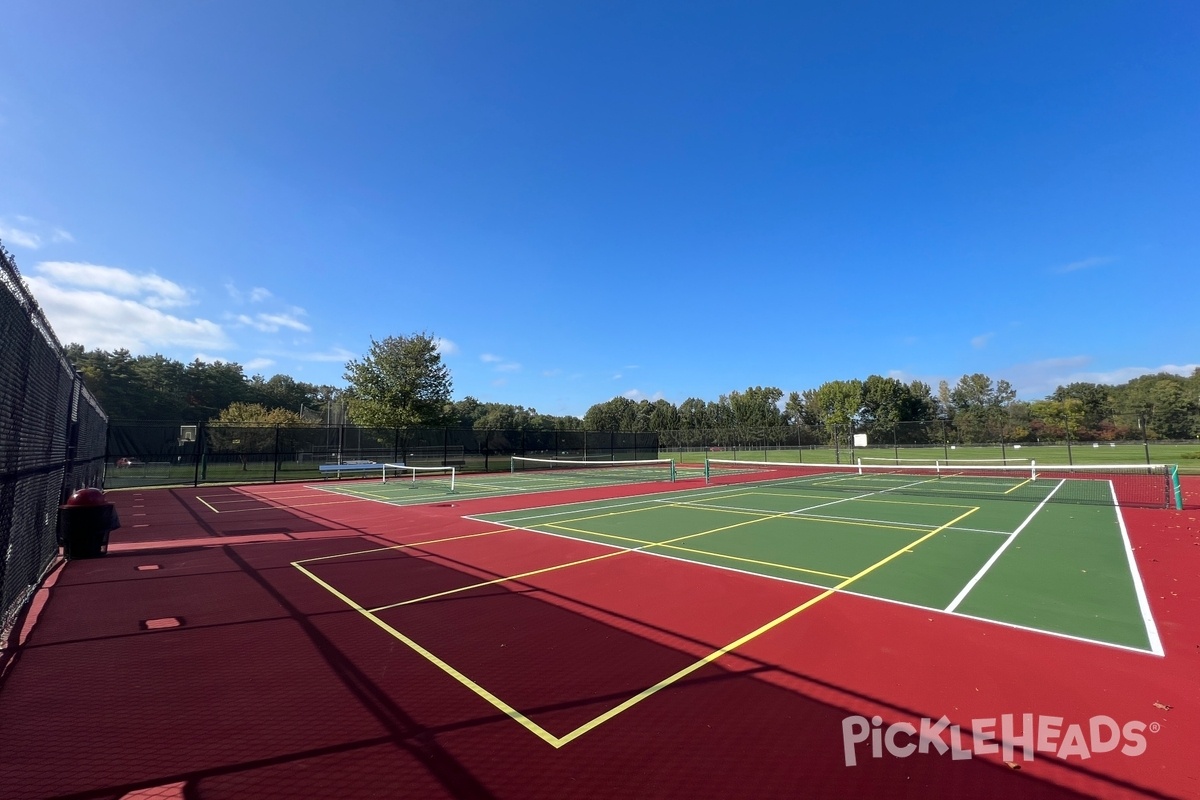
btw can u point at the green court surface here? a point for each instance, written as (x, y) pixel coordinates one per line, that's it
(1058, 568)
(436, 488)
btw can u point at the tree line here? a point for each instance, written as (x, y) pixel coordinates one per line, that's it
(402, 382)
(976, 408)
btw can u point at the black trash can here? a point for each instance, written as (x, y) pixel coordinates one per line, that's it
(85, 521)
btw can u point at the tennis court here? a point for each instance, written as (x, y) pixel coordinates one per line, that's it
(1049, 566)
(597, 629)
(952, 543)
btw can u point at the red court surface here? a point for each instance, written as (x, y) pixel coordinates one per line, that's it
(259, 642)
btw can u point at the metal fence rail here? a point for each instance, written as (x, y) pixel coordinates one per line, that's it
(52, 436)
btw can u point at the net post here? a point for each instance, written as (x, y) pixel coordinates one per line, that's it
(453, 472)
(1032, 470)
(860, 469)
(672, 470)
(1178, 490)
(707, 471)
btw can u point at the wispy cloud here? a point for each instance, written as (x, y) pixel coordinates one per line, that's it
(1039, 378)
(500, 363)
(107, 321)
(257, 363)
(150, 289)
(446, 347)
(256, 295)
(31, 234)
(333, 355)
(638, 395)
(981, 341)
(1086, 263)
(271, 323)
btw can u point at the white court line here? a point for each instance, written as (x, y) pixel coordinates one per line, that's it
(999, 551)
(1143, 602)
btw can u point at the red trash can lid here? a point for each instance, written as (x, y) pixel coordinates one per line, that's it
(87, 497)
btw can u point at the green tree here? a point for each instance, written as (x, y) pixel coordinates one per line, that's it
(617, 414)
(693, 414)
(664, 416)
(210, 387)
(400, 383)
(249, 429)
(1096, 402)
(979, 405)
(883, 407)
(757, 407)
(837, 403)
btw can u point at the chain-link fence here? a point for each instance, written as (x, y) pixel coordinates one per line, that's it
(979, 439)
(146, 454)
(52, 441)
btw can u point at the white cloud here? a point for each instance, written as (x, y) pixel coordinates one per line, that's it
(638, 396)
(19, 237)
(1040, 378)
(501, 364)
(103, 321)
(446, 347)
(335, 355)
(29, 233)
(258, 294)
(271, 323)
(1086, 263)
(981, 341)
(152, 290)
(257, 363)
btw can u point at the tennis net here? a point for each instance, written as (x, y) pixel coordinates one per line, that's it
(417, 477)
(1140, 485)
(559, 470)
(891, 461)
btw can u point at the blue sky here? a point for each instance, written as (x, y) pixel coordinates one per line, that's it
(587, 200)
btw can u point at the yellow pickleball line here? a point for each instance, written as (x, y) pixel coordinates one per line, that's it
(516, 715)
(555, 567)
(713, 656)
(402, 546)
(647, 545)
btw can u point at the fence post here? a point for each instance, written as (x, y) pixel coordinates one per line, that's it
(201, 450)
(275, 458)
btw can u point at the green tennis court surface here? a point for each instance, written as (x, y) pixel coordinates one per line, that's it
(530, 475)
(1059, 568)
